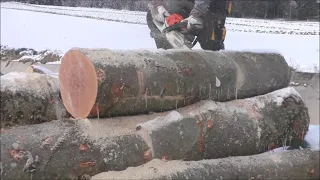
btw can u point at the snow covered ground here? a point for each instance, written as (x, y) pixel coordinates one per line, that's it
(46, 30)
(135, 17)
(62, 28)
(312, 137)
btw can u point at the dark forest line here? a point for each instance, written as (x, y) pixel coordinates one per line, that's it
(262, 9)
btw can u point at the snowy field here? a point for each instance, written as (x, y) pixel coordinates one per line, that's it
(62, 28)
(45, 27)
(135, 17)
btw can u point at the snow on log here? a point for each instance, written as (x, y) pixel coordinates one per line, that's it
(69, 149)
(43, 68)
(295, 164)
(66, 149)
(29, 99)
(113, 83)
(15, 66)
(208, 129)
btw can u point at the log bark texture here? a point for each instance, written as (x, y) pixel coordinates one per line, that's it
(74, 148)
(69, 149)
(295, 164)
(208, 129)
(132, 82)
(30, 99)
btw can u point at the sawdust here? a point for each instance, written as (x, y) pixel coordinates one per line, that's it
(162, 121)
(100, 131)
(153, 169)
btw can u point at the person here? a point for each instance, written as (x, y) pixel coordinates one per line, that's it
(205, 20)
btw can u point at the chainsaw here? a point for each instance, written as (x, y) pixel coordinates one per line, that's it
(174, 28)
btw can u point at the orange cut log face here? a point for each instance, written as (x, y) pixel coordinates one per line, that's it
(78, 83)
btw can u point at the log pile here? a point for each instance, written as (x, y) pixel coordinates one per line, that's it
(183, 113)
(68, 149)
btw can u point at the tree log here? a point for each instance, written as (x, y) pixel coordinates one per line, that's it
(208, 129)
(114, 83)
(295, 164)
(30, 99)
(69, 149)
(73, 148)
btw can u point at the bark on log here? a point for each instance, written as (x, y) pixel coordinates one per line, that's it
(115, 83)
(30, 99)
(71, 149)
(208, 129)
(295, 164)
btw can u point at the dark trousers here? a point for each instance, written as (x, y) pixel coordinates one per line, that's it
(211, 37)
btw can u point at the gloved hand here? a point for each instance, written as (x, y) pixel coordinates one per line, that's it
(159, 13)
(194, 24)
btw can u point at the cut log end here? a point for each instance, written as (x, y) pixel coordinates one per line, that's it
(78, 83)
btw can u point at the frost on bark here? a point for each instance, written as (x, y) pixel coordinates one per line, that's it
(113, 83)
(30, 99)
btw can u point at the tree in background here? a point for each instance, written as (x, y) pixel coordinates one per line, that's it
(265, 9)
(307, 9)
